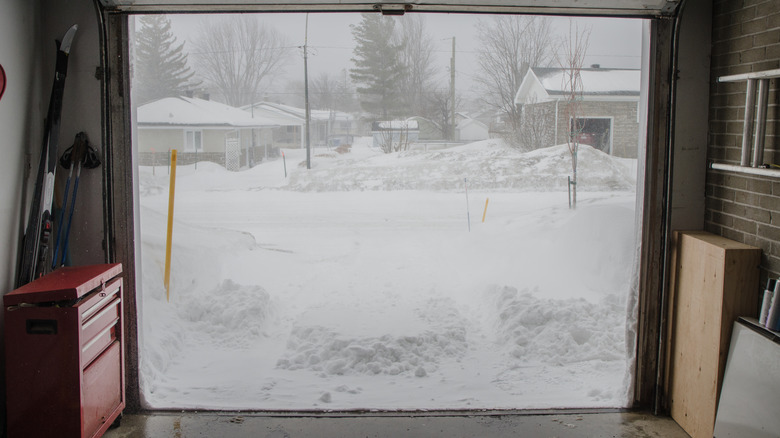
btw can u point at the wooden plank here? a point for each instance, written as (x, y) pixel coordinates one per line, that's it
(714, 280)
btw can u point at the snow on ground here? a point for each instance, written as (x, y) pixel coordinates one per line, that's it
(358, 284)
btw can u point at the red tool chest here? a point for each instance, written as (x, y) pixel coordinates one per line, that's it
(64, 353)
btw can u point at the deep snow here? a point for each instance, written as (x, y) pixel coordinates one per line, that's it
(358, 285)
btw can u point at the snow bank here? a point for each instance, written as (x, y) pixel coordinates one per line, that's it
(488, 165)
(201, 304)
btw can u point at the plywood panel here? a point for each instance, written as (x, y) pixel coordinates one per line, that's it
(715, 280)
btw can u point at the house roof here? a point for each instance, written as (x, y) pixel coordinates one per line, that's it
(603, 81)
(467, 121)
(596, 82)
(396, 125)
(189, 111)
(300, 113)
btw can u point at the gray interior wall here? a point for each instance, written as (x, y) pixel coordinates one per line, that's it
(20, 124)
(81, 112)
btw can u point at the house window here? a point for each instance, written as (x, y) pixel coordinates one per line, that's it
(193, 141)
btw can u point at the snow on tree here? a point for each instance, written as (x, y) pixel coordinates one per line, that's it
(237, 55)
(377, 70)
(160, 68)
(511, 44)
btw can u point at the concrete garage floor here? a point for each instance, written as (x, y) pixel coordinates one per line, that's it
(254, 425)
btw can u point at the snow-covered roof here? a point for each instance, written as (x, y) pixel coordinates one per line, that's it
(466, 121)
(280, 117)
(189, 111)
(544, 83)
(396, 125)
(318, 115)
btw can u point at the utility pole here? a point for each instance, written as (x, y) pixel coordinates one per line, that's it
(306, 91)
(452, 92)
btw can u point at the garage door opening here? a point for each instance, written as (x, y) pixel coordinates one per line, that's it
(361, 220)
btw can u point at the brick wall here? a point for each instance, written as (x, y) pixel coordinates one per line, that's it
(745, 38)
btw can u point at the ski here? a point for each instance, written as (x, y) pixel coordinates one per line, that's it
(32, 263)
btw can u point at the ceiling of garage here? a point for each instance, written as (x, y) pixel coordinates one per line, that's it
(629, 8)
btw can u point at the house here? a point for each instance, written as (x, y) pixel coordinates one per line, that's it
(689, 122)
(394, 135)
(201, 130)
(607, 110)
(323, 124)
(429, 130)
(469, 129)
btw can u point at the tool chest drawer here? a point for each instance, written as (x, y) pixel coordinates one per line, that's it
(99, 323)
(65, 353)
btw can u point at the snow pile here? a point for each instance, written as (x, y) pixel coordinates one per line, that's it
(559, 332)
(487, 165)
(327, 352)
(216, 313)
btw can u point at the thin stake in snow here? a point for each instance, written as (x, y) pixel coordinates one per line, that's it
(484, 213)
(284, 160)
(169, 239)
(468, 213)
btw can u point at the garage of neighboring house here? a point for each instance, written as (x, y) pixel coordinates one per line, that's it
(606, 115)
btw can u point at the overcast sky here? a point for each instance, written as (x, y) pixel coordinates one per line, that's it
(614, 42)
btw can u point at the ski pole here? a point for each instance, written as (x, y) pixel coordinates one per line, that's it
(62, 216)
(70, 215)
(74, 155)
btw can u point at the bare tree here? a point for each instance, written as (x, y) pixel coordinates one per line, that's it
(442, 111)
(237, 55)
(393, 136)
(571, 60)
(535, 131)
(416, 46)
(510, 46)
(323, 91)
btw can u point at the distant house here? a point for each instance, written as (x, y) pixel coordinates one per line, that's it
(200, 130)
(323, 124)
(394, 135)
(469, 129)
(428, 129)
(608, 114)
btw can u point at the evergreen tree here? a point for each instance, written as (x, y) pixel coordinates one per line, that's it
(161, 65)
(378, 71)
